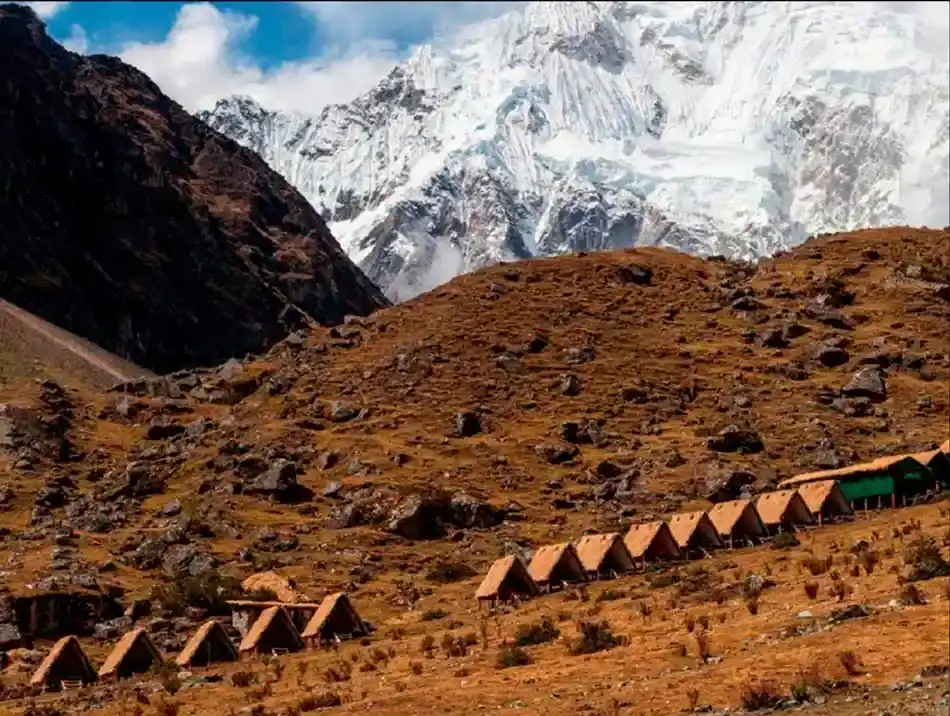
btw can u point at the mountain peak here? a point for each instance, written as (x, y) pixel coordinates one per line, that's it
(713, 127)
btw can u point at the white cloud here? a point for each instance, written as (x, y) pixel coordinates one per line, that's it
(46, 10)
(348, 21)
(200, 61)
(78, 40)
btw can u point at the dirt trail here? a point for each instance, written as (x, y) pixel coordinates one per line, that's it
(93, 356)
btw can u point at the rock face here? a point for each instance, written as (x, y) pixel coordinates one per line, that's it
(134, 225)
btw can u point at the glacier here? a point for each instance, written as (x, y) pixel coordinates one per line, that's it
(717, 128)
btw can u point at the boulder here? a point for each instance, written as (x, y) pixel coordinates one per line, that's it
(867, 383)
(556, 453)
(467, 424)
(735, 439)
(278, 482)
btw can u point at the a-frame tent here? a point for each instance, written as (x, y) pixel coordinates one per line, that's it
(604, 555)
(134, 654)
(555, 565)
(651, 542)
(335, 619)
(507, 579)
(738, 522)
(274, 631)
(209, 645)
(694, 532)
(66, 662)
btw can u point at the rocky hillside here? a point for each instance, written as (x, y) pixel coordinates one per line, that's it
(519, 404)
(129, 223)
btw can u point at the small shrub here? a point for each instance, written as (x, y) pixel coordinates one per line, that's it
(911, 595)
(470, 638)
(314, 702)
(869, 559)
(692, 699)
(759, 695)
(367, 667)
(337, 674)
(431, 615)
(840, 590)
(460, 673)
(785, 540)
(662, 581)
(415, 667)
(453, 646)
(923, 557)
(378, 655)
(509, 656)
(850, 662)
(703, 650)
(164, 707)
(540, 632)
(610, 595)
(809, 683)
(752, 605)
(811, 590)
(167, 673)
(210, 591)
(690, 623)
(428, 644)
(449, 572)
(594, 637)
(241, 679)
(703, 621)
(816, 565)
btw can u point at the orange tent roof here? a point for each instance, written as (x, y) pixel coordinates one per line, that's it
(263, 623)
(815, 493)
(772, 506)
(125, 645)
(873, 466)
(726, 515)
(497, 574)
(640, 538)
(59, 650)
(331, 603)
(684, 526)
(546, 559)
(205, 631)
(593, 549)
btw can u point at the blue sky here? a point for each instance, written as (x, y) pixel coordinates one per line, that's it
(288, 55)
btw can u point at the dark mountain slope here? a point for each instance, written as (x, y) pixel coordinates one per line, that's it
(130, 223)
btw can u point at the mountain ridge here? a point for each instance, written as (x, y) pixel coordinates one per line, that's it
(578, 126)
(130, 223)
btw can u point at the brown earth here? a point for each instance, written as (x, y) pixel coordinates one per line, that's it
(665, 351)
(134, 225)
(32, 349)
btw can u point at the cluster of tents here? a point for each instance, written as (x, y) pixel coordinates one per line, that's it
(802, 501)
(275, 630)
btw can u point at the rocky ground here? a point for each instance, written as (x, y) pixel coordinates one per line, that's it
(396, 456)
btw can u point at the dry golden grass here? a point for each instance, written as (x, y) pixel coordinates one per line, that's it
(415, 365)
(645, 675)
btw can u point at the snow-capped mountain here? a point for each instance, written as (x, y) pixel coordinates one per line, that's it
(734, 128)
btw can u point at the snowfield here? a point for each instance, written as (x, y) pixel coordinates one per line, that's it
(714, 127)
